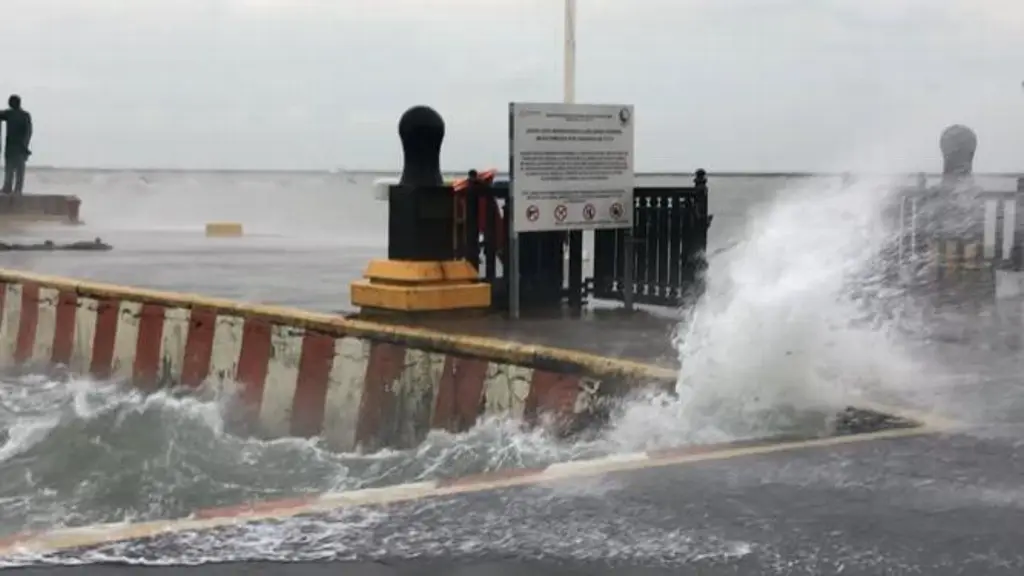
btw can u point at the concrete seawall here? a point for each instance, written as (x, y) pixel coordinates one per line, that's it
(40, 208)
(358, 384)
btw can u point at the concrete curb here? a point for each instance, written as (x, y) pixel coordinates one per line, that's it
(358, 384)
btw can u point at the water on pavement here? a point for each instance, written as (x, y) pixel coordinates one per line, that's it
(773, 347)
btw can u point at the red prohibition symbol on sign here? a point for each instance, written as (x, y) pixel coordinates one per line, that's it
(616, 211)
(561, 211)
(532, 212)
(589, 212)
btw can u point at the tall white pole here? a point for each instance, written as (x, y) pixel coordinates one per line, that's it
(569, 64)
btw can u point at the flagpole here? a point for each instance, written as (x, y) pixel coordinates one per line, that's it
(569, 62)
(573, 257)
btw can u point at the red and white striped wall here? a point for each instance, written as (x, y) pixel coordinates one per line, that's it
(354, 391)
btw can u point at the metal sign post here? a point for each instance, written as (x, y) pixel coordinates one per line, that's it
(512, 273)
(569, 58)
(627, 270)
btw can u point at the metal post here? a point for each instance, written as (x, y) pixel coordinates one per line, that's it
(574, 237)
(512, 270)
(576, 271)
(569, 62)
(627, 269)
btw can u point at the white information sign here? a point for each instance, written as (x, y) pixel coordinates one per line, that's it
(571, 166)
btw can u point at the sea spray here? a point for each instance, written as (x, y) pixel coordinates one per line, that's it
(786, 330)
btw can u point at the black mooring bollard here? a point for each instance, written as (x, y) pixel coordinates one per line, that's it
(422, 272)
(421, 129)
(421, 214)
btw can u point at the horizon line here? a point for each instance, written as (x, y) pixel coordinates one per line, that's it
(655, 173)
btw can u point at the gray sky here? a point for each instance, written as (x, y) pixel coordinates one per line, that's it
(721, 84)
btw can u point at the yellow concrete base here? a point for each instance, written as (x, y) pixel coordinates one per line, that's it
(404, 271)
(224, 230)
(405, 286)
(436, 297)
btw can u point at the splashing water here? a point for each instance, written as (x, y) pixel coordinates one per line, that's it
(779, 334)
(76, 452)
(81, 452)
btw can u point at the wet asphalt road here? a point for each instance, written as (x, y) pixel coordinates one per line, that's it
(937, 505)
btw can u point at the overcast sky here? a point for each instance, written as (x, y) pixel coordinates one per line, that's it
(721, 84)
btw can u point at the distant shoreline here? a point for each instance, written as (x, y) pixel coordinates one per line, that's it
(386, 173)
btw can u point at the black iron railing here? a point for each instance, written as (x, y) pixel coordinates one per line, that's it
(669, 237)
